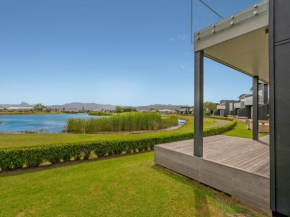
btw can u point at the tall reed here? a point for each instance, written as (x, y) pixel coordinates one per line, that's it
(121, 122)
(99, 113)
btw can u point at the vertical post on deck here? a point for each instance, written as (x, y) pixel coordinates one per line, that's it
(255, 108)
(266, 94)
(198, 103)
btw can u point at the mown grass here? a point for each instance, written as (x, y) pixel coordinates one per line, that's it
(241, 131)
(127, 186)
(25, 140)
(133, 121)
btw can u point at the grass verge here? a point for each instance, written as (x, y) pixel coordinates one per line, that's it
(240, 130)
(127, 186)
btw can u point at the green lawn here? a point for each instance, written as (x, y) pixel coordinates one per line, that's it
(126, 186)
(241, 131)
(21, 140)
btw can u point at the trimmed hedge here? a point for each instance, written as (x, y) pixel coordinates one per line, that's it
(15, 158)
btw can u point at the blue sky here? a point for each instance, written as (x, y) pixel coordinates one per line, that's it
(129, 52)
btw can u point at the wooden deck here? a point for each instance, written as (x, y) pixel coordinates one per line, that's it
(237, 166)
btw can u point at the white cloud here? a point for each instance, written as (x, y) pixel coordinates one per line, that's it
(182, 37)
(182, 66)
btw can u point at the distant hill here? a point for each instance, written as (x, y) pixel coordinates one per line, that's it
(86, 106)
(94, 106)
(160, 106)
(23, 104)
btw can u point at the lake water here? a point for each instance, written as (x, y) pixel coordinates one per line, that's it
(50, 123)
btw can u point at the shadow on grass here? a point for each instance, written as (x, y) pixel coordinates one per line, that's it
(200, 191)
(203, 194)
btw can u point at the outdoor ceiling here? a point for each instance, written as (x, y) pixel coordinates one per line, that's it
(240, 41)
(248, 53)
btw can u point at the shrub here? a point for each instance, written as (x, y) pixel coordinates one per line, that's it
(14, 158)
(133, 121)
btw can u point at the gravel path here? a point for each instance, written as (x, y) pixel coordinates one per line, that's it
(220, 123)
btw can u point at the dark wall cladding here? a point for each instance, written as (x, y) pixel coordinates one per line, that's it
(282, 20)
(280, 105)
(234, 112)
(245, 112)
(216, 113)
(264, 111)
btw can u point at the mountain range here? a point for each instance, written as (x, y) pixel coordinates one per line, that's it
(94, 106)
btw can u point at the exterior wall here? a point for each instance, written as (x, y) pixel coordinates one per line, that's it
(216, 113)
(279, 35)
(234, 112)
(263, 113)
(245, 112)
(226, 111)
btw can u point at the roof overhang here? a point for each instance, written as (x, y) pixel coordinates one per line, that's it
(240, 41)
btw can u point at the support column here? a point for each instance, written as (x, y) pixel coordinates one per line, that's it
(198, 103)
(255, 108)
(265, 93)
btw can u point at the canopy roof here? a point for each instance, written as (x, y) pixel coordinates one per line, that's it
(239, 41)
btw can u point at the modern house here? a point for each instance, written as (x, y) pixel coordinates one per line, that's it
(256, 42)
(244, 107)
(224, 108)
(186, 110)
(167, 111)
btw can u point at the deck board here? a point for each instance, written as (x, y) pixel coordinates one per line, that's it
(238, 166)
(236, 152)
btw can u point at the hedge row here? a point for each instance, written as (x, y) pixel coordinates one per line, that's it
(55, 153)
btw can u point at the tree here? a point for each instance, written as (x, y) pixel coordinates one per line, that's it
(127, 109)
(118, 109)
(209, 107)
(39, 107)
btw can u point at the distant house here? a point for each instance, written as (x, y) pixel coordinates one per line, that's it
(144, 110)
(167, 111)
(19, 108)
(244, 107)
(110, 111)
(224, 108)
(186, 110)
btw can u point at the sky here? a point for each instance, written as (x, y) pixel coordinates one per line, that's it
(120, 52)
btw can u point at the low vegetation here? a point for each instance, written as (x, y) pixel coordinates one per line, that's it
(126, 186)
(32, 156)
(133, 121)
(100, 113)
(241, 131)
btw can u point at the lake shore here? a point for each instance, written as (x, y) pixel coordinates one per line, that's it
(31, 113)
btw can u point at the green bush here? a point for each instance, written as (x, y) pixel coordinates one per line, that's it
(14, 158)
(133, 121)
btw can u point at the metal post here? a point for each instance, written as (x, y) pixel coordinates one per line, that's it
(266, 94)
(198, 104)
(255, 108)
